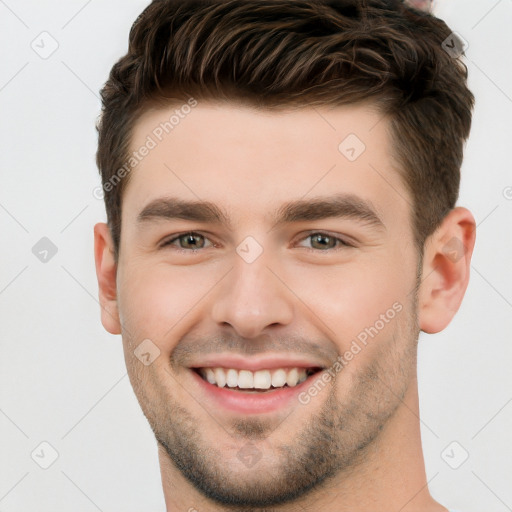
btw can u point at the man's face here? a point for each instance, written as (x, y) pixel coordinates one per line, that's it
(280, 293)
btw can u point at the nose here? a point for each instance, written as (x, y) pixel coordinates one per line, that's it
(252, 298)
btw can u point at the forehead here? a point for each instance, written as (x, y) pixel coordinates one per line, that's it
(252, 160)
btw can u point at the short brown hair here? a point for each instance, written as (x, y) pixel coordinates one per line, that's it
(280, 53)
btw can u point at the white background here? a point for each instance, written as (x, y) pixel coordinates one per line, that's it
(63, 378)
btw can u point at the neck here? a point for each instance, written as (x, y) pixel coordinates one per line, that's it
(391, 477)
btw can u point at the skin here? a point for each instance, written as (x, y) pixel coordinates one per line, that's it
(356, 445)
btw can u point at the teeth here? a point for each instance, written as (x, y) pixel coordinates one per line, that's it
(219, 377)
(261, 379)
(245, 379)
(231, 378)
(292, 378)
(210, 376)
(279, 378)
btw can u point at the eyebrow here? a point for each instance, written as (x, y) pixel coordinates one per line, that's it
(337, 206)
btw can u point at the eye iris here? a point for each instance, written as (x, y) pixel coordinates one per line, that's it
(190, 238)
(189, 241)
(323, 245)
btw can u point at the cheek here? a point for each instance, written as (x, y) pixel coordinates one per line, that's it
(349, 298)
(153, 299)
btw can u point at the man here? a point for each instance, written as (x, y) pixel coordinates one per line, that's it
(280, 183)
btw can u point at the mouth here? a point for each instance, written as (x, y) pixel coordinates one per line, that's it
(260, 381)
(256, 390)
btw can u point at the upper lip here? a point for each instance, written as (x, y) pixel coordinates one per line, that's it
(267, 362)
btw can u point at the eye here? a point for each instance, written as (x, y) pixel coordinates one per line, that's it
(192, 241)
(324, 241)
(187, 242)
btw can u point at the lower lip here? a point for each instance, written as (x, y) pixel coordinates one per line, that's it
(251, 403)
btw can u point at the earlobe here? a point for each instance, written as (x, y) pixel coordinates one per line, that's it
(106, 269)
(445, 274)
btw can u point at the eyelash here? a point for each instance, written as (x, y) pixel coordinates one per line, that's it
(342, 243)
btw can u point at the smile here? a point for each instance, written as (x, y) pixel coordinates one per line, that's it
(247, 389)
(260, 380)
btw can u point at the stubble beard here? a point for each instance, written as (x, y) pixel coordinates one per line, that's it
(333, 442)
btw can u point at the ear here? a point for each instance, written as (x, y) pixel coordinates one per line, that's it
(445, 274)
(106, 269)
